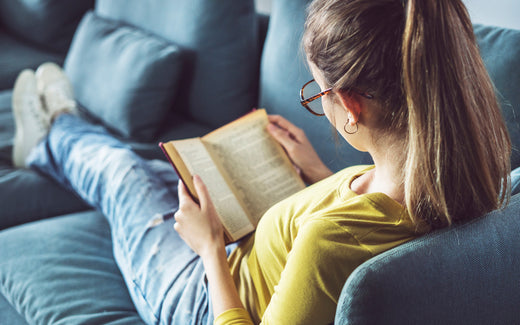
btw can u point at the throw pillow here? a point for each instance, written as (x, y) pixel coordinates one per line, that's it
(123, 76)
(221, 38)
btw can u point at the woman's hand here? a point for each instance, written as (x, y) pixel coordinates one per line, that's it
(199, 225)
(299, 149)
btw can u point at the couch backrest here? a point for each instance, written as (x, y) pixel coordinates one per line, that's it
(220, 37)
(284, 71)
(463, 275)
(500, 49)
(47, 23)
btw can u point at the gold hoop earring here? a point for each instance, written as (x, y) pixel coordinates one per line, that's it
(350, 132)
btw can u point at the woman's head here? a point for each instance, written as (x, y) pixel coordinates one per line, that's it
(420, 60)
(357, 44)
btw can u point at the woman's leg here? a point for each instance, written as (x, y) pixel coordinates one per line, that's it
(164, 276)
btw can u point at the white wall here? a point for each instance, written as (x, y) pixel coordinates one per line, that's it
(504, 13)
(263, 5)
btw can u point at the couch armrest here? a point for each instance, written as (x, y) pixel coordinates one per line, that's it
(466, 274)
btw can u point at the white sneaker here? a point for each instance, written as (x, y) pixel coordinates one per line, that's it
(30, 119)
(55, 89)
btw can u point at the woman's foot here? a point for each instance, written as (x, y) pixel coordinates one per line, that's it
(31, 121)
(55, 90)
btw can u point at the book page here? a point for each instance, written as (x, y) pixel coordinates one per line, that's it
(199, 162)
(256, 165)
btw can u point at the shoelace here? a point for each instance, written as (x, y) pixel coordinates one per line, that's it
(56, 100)
(36, 114)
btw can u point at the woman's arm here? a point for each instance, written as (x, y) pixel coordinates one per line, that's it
(224, 295)
(299, 149)
(200, 227)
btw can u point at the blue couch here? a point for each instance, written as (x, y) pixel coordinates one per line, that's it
(201, 64)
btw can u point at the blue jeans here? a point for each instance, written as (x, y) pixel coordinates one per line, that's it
(165, 278)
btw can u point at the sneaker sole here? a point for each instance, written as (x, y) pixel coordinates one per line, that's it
(25, 84)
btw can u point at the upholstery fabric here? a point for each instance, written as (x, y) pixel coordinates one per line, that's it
(17, 55)
(515, 181)
(463, 275)
(71, 255)
(25, 195)
(221, 76)
(500, 49)
(123, 76)
(284, 71)
(48, 23)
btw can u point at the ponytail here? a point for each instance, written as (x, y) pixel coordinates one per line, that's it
(420, 60)
(458, 160)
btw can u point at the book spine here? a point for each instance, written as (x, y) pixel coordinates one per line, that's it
(193, 197)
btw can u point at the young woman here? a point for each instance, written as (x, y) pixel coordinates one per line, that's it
(402, 80)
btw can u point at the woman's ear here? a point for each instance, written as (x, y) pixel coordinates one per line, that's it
(352, 104)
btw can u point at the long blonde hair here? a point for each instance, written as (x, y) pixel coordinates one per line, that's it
(420, 60)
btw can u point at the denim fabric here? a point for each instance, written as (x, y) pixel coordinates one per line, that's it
(9, 315)
(165, 278)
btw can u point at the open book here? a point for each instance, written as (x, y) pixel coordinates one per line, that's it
(245, 170)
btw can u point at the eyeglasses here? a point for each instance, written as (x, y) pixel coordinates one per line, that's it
(311, 97)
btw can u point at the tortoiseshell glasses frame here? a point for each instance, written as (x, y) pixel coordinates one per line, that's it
(306, 101)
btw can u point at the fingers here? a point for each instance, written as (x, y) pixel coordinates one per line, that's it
(281, 122)
(282, 136)
(186, 203)
(184, 196)
(202, 192)
(284, 124)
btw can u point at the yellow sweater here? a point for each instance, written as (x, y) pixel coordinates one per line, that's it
(293, 269)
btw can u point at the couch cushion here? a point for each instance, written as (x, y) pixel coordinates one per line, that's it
(123, 76)
(220, 83)
(467, 274)
(25, 195)
(49, 23)
(62, 271)
(17, 55)
(283, 73)
(500, 49)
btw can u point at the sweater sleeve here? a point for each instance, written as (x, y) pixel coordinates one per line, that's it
(235, 316)
(322, 257)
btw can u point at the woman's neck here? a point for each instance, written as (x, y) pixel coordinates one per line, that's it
(387, 177)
